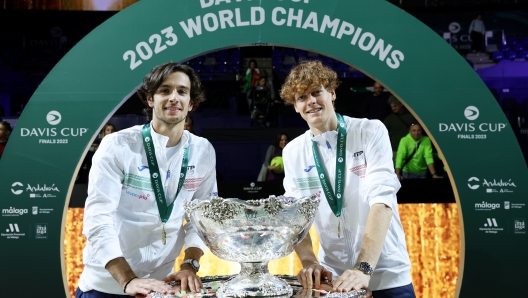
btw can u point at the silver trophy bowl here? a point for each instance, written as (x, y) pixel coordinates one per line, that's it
(253, 233)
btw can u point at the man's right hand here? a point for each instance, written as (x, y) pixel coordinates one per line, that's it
(312, 276)
(141, 287)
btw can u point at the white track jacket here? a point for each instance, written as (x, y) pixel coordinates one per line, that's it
(121, 217)
(369, 179)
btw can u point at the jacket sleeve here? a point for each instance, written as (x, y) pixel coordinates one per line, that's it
(401, 153)
(104, 192)
(381, 183)
(290, 187)
(207, 189)
(428, 151)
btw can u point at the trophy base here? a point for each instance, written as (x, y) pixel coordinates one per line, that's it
(254, 280)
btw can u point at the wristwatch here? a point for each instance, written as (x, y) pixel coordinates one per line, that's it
(364, 267)
(194, 264)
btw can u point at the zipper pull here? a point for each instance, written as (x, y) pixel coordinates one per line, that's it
(168, 174)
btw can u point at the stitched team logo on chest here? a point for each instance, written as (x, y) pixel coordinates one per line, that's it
(192, 184)
(360, 170)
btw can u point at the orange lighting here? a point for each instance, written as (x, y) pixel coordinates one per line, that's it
(432, 234)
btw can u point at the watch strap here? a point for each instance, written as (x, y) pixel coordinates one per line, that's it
(194, 264)
(364, 267)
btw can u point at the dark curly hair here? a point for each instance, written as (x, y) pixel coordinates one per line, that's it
(158, 74)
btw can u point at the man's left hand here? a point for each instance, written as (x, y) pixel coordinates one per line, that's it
(351, 280)
(189, 280)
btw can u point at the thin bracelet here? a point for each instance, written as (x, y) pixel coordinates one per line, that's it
(126, 284)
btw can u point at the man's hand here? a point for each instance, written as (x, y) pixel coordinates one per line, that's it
(313, 275)
(351, 280)
(143, 286)
(189, 280)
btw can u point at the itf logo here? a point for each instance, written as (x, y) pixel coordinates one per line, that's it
(471, 113)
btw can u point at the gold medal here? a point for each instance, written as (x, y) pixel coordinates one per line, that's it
(163, 235)
(339, 227)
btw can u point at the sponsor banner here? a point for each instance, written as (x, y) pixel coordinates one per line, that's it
(492, 185)
(63, 116)
(52, 133)
(13, 230)
(35, 190)
(471, 128)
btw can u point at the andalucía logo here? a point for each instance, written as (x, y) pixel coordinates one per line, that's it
(53, 134)
(35, 190)
(470, 130)
(492, 186)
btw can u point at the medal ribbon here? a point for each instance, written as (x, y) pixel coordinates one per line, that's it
(335, 200)
(155, 179)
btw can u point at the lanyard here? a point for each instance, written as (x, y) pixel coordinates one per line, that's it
(155, 179)
(335, 200)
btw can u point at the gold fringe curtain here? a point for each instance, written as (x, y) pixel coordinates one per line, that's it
(432, 234)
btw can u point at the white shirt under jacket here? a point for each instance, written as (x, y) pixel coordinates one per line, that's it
(121, 217)
(369, 179)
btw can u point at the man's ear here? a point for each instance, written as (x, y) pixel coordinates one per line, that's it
(150, 101)
(191, 105)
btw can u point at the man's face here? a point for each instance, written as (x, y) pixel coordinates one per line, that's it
(315, 105)
(262, 82)
(397, 108)
(416, 131)
(172, 100)
(378, 89)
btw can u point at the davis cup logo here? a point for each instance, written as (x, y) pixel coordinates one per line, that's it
(473, 186)
(340, 159)
(342, 124)
(454, 27)
(322, 176)
(53, 117)
(155, 175)
(471, 113)
(147, 139)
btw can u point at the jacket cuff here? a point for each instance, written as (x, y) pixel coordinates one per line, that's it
(108, 251)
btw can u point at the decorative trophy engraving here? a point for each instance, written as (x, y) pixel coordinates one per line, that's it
(253, 233)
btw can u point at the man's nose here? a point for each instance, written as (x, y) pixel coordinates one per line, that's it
(173, 96)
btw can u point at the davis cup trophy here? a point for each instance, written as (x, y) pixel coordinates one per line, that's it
(253, 233)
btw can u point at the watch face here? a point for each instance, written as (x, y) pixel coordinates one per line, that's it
(195, 264)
